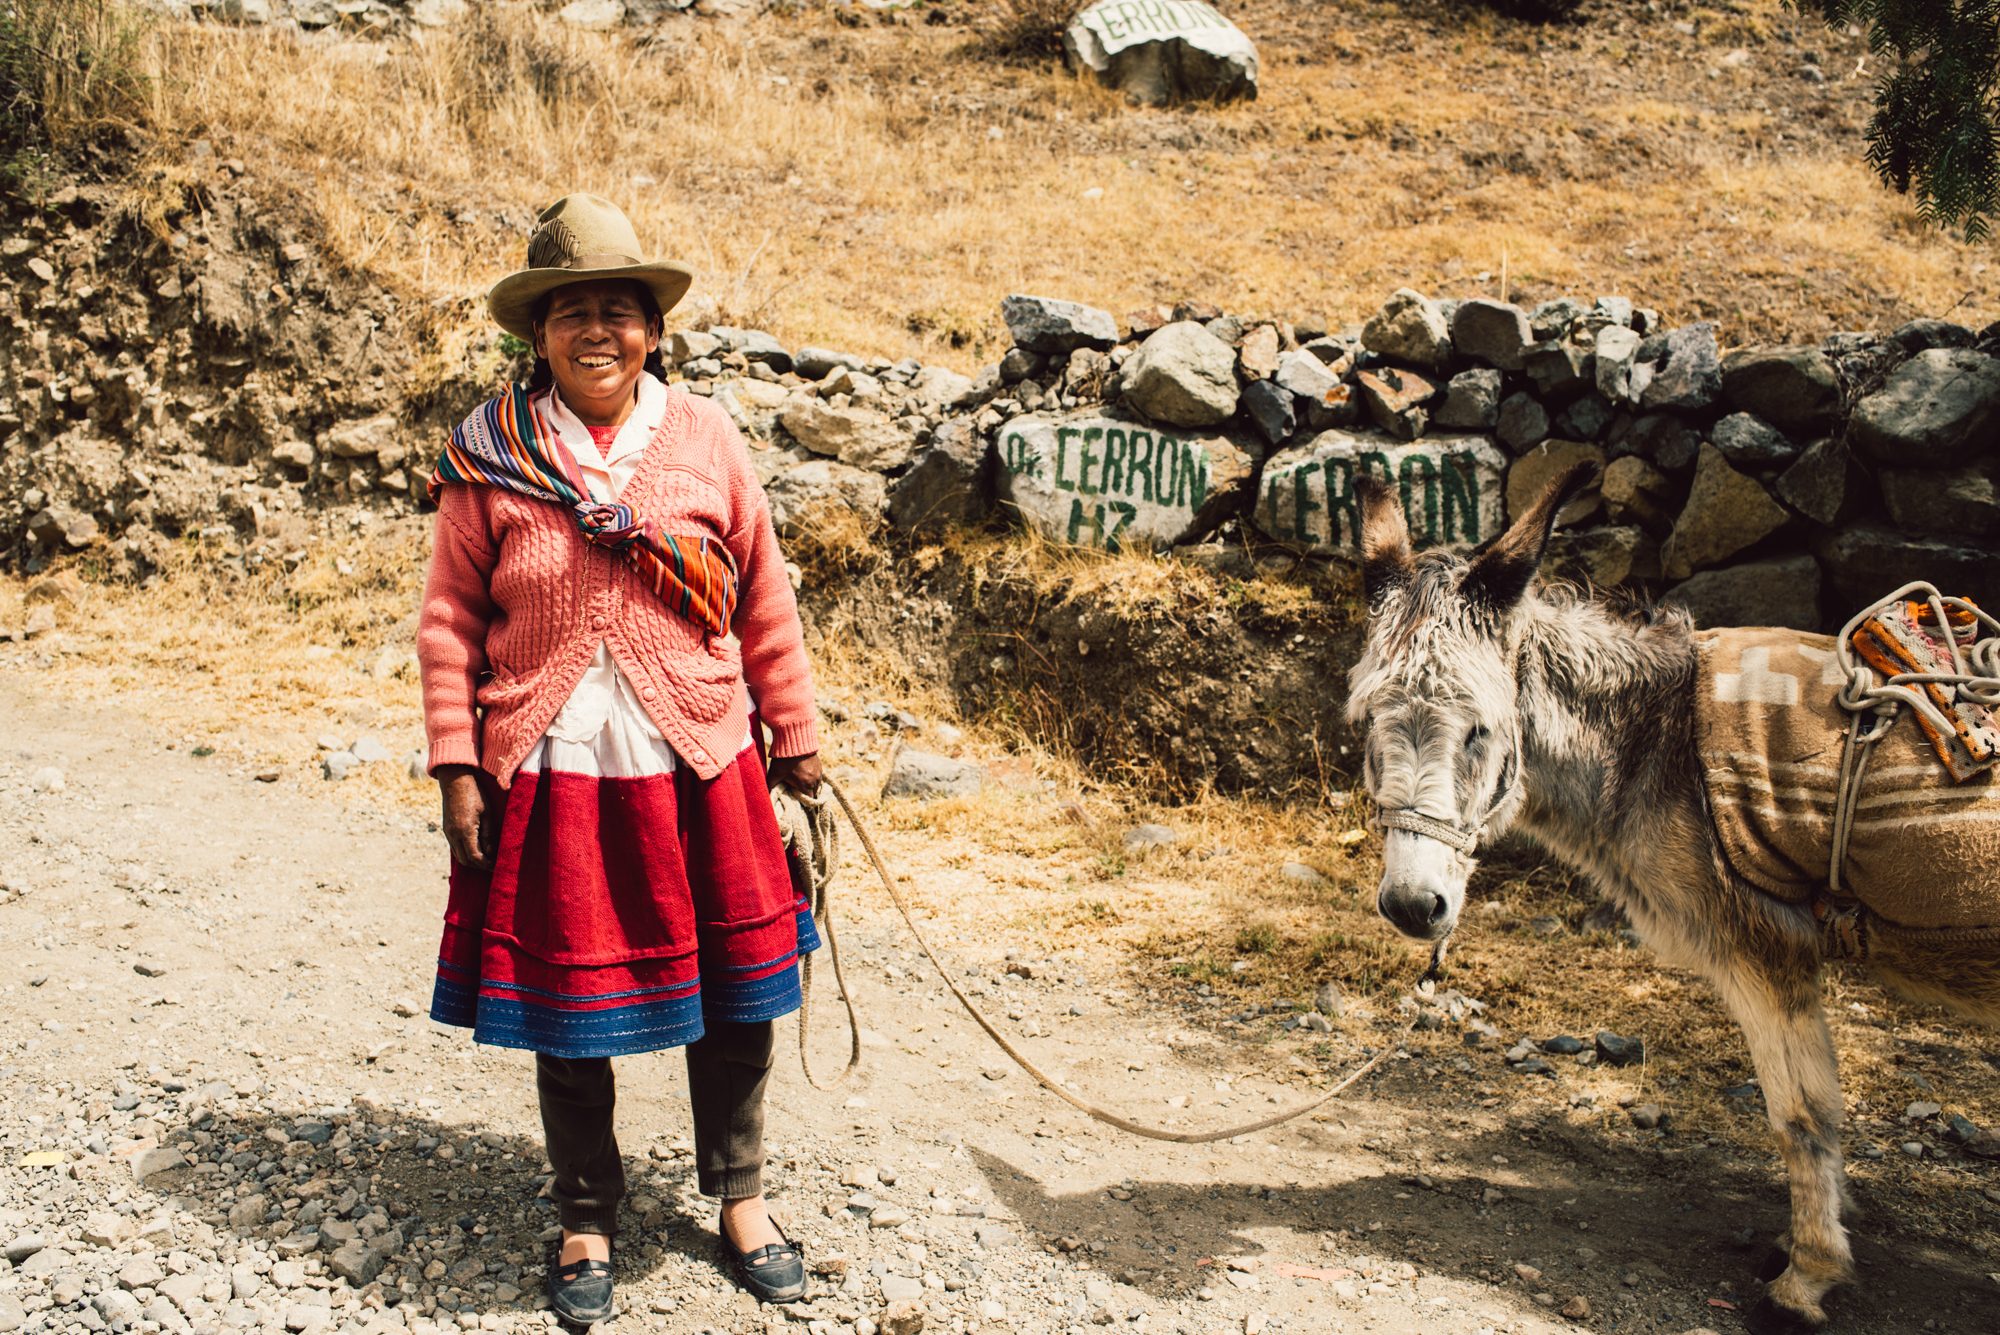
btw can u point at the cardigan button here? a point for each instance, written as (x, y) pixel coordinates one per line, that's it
(597, 623)
(648, 693)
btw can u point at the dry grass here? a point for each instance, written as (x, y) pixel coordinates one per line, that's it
(880, 189)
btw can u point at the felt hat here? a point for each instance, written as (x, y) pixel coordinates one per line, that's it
(579, 239)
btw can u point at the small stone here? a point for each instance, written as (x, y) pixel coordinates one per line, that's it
(1269, 407)
(1047, 325)
(1913, 1148)
(1299, 871)
(1750, 442)
(1472, 401)
(248, 1213)
(1495, 332)
(141, 1272)
(1826, 485)
(1257, 354)
(1544, 463)
(148, 969)
(1646, 1116)
(904, 1315)
(1921, 1112)
(1528, 1274)
(1635, 492)
(48, 779)
(1617, 349)
(1795, 388)
(1935, 411)
(1559, 372)
(406, 1007)
(1577, 1308)
(104, 1230)
(1411, 328)
(1725, 513)
(368, 751)
(1182, 375)
(1614, 1050)
(335, 765)
(917, 774)
(1563, 1045)
(1396, 399)
(148, 1164)
(1691, 378)
(1143, 837)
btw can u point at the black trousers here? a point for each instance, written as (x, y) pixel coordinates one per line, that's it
(727, 1067)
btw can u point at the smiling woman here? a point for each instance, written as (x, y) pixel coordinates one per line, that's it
(606, 597)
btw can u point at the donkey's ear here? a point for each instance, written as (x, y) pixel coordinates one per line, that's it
(1502, 573)
(1385, 540)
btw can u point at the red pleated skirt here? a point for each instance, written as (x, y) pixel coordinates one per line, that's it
(623, 912)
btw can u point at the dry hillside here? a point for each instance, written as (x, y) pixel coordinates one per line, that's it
(877, 180)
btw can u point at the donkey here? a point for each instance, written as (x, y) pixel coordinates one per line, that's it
(1490, 702)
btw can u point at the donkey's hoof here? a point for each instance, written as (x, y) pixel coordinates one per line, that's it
(1768, 1318)
(1774, 1264)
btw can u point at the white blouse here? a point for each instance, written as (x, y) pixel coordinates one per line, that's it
(602, 729)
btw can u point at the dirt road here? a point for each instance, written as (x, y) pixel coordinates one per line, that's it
(221, 983)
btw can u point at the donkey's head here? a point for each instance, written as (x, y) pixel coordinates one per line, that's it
(1436, 692)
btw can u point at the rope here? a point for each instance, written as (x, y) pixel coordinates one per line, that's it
(1046, 1082)
(1975, 678)
(807, 828)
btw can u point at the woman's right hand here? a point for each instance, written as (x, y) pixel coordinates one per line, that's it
(468, 825)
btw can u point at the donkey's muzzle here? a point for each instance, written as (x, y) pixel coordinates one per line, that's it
(1415, 909)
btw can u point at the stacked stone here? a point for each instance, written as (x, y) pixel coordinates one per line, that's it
(1742, 485)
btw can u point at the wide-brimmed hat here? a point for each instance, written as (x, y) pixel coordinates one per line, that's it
(579, 239)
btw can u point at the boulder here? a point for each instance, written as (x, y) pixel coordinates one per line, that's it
(1795, 389)
(1725, 513)
(859, 437)
(950, 483)
(1395, 399)
(1947, 502)
(757, 346)
(1691, 377)
(1452, 488)
(811, 363)
(1560, 372)
(1523, 424)
(1607, 557)
(1869, 560)
(1935, 411)
(1164, 51)
(1783, 591)
(1046, 325)
(807, 494)
(1827, 485)
(1109, 480)
(1533, 471)
(1182, 375)
(1410, 328)
(1617, 348)
(1268, 405)
(1020, 364)
(1494, 332)
(1471, 401)
(1635, 492)
(918, 774)
(1748, 441)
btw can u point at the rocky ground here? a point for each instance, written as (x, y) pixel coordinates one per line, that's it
(223, 1109)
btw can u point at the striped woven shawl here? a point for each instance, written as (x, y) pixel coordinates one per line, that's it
(505, 444)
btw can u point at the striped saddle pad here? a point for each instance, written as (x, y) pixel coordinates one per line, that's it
(1924, 851)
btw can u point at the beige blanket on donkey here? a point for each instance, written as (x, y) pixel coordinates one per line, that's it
(1924, 851)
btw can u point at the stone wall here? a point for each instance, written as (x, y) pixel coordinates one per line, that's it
(1755, 485)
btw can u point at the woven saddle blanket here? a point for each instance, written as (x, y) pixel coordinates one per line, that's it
(1924, 851)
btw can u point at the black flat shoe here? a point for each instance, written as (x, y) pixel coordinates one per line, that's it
(773, 1274)
(581, 1291)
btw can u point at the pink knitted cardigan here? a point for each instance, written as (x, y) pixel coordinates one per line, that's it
(517, 602)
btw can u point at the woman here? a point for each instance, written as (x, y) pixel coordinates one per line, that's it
(618, 884)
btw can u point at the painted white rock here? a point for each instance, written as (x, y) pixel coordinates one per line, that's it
(1453, 489)
(1111, 481)
(1161, 51)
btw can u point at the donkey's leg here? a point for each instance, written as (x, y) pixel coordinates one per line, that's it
(1781, 1018)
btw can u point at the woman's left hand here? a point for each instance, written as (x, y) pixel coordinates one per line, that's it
(801, 774)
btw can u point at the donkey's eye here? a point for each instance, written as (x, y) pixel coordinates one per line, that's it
(1476, 735)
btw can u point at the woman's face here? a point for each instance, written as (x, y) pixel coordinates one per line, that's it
(595, 338)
